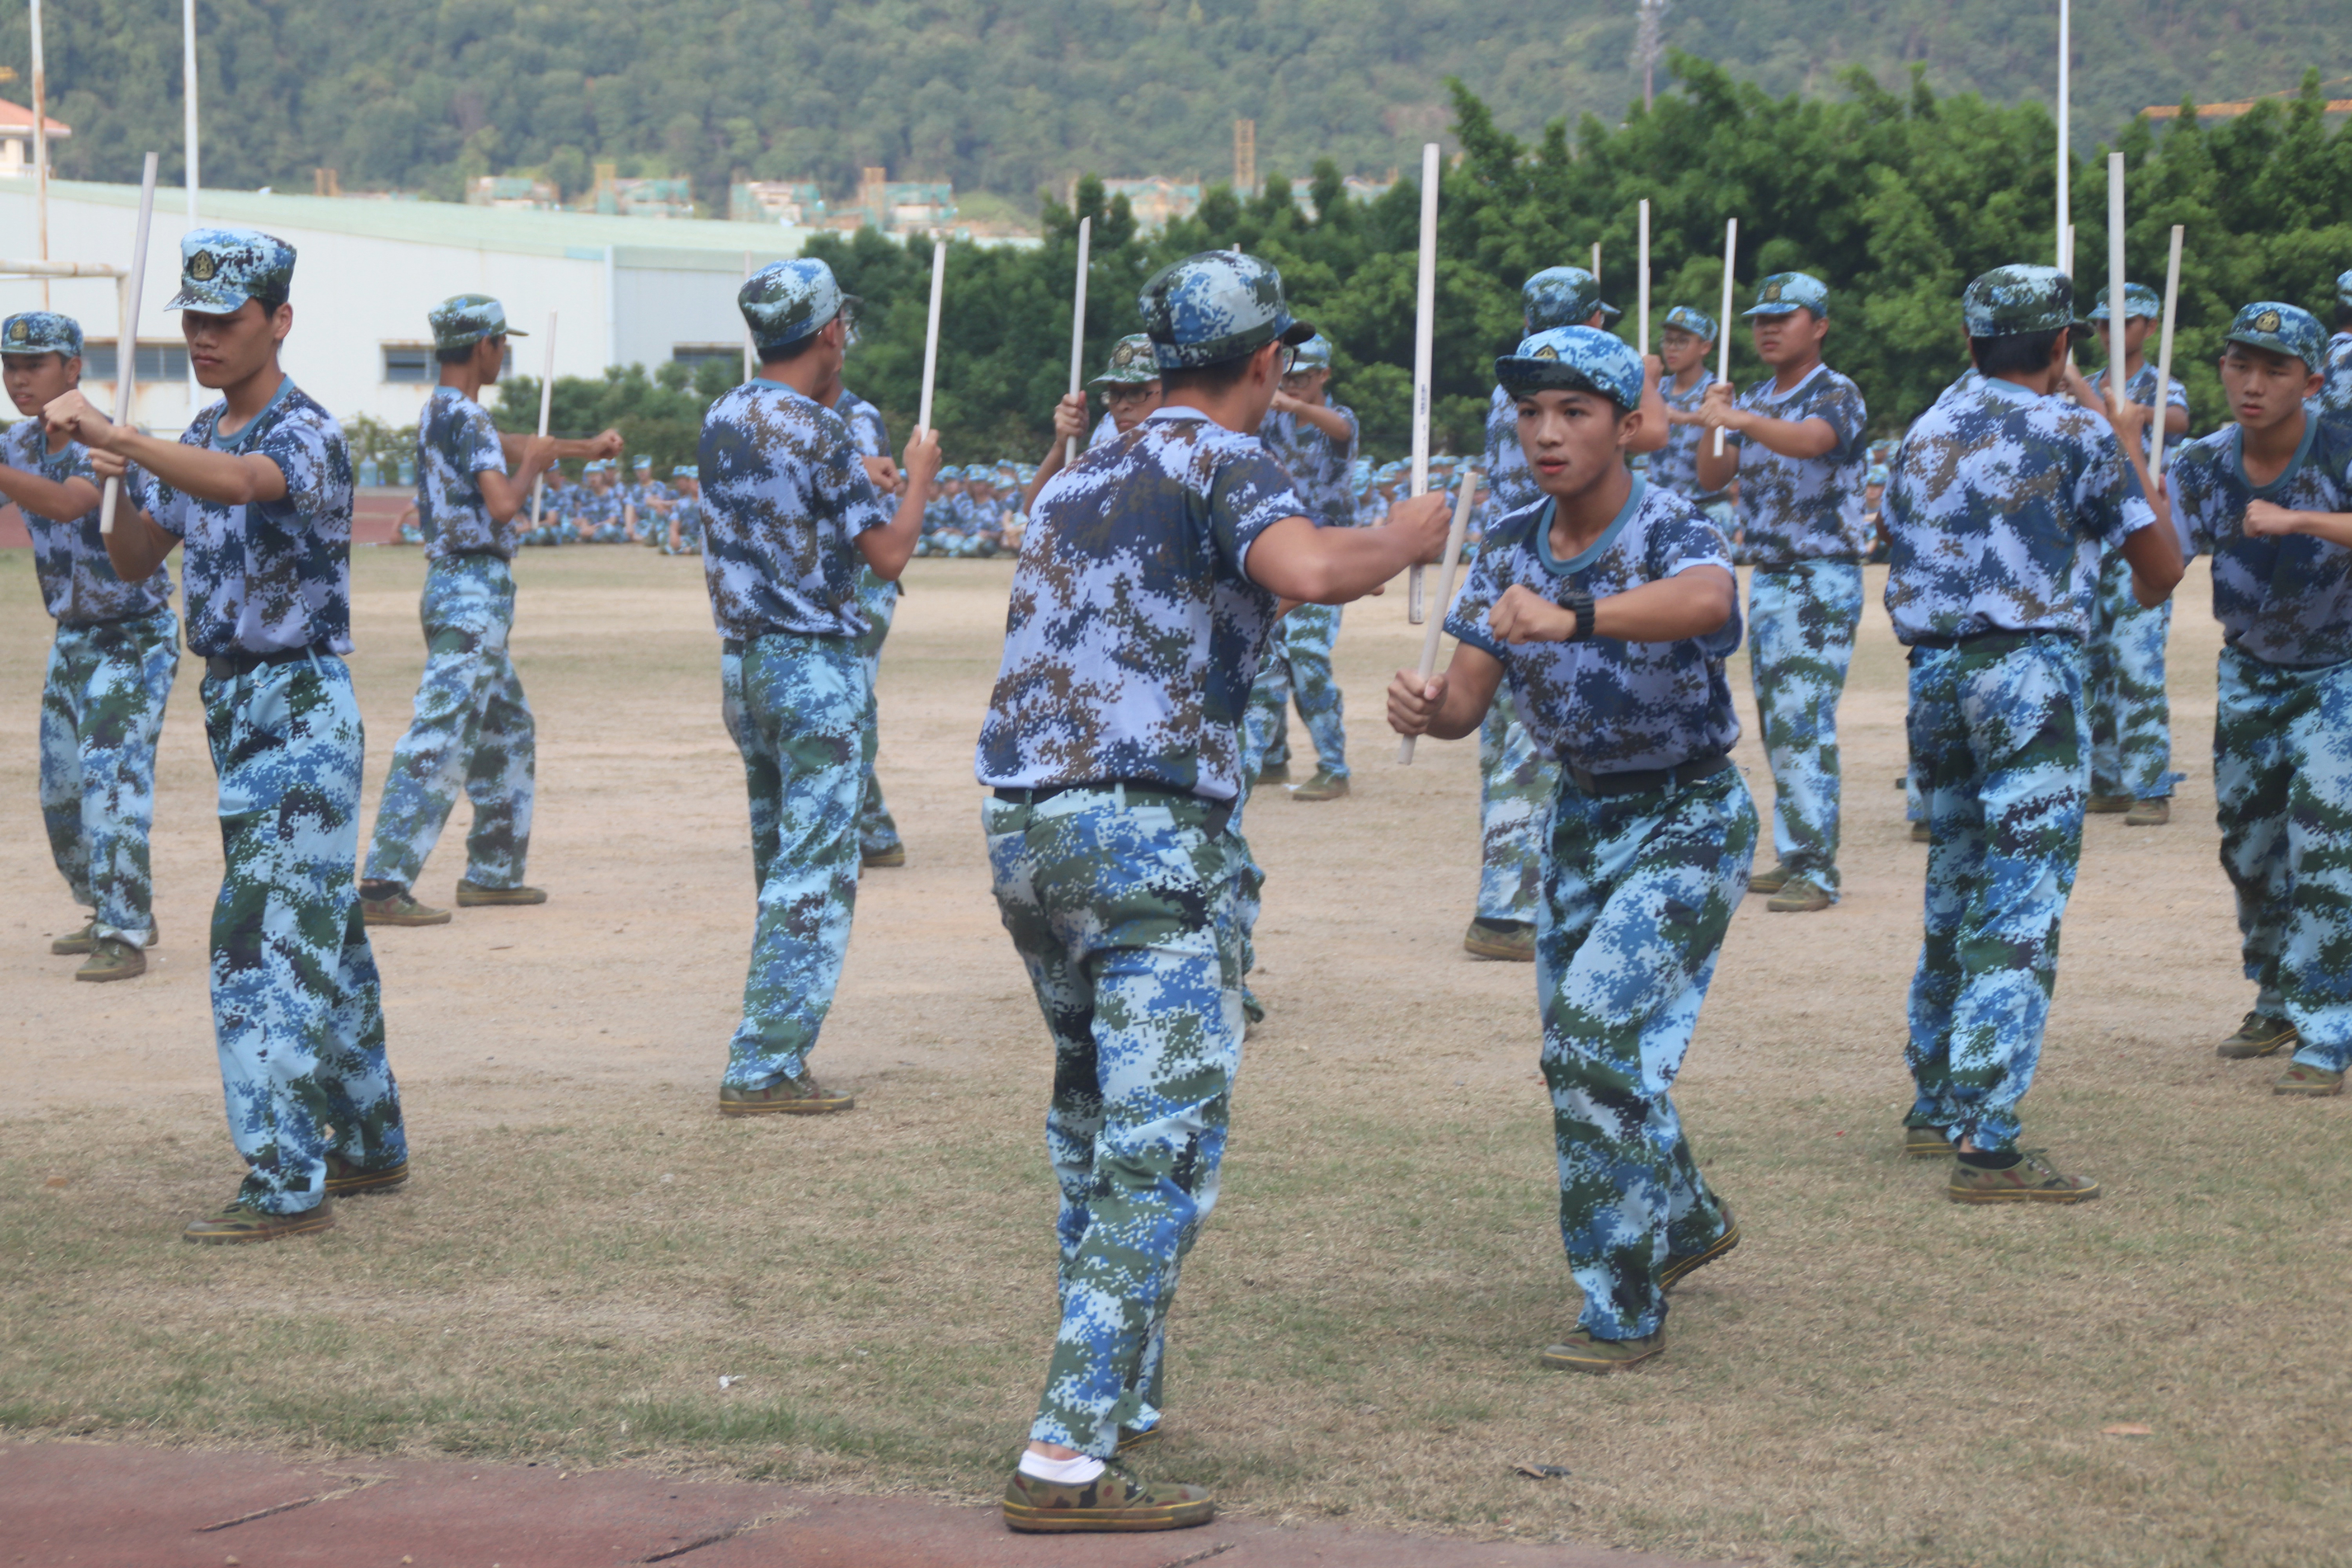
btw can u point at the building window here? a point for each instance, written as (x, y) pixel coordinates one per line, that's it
(694, 356)
(410, 363)
(155, 361)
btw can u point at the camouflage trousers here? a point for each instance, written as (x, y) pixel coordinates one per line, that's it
(877, 831)
(1800, 625)
(1638, 890)
(472, 731)
(1298, 668)
(1997, 733)
(2283, 788)
(1113, 899)
(797, 707)
(297, 1010)
(1516, 785)
(2131, 721)
(101, 709)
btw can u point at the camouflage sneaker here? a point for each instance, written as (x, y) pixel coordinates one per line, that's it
(1112, 1502)
(2313, 1083)
(894, 855)
(2033, 1180)
(1514, 941)
(1130, 1438)
(242, 1222)
(1771, 881)
(400, 909)
(1921, 834)
(1273, 774)
(1325, 786)
(2259, 1035)
(1679, 1267)
(1253, 1010)
(1583, 1351)
(801, 1096)
(474, 895)
(2108, 805)
(1800, 896)
(112, 959)
(2153, 813)
(1927, 1142)
(346, 1180)
(75, 941)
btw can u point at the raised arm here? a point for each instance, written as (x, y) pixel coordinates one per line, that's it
(235, 478)
(527, 456)
(1295, 560)
(888, 549)
(62, 500)
(1069, 425)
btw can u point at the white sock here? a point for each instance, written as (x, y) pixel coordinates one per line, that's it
(1075, 1472)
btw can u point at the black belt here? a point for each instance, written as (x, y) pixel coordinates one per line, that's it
(491, 551)
(1640, 780)
(1220, 812)
(1988, 641)
(243, 661)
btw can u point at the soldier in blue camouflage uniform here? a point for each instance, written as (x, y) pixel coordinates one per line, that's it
(596, 518)
(1610, 605)
(649, 501)
(260, 489)
(1131, 385)
(1795, 444)
(2335, 397)
(790, 518)
(1313, 439)
(1683, 347)
(2270, 499)
(2131, 721)
(878, 843)
(472, 729)
(683, 534)
(1148, 586)
(2003, 498)
(110, 667)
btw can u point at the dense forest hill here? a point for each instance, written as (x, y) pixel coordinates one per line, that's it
(1010, 96)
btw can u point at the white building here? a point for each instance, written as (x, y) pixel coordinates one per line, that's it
(17, 140)
(626, 291)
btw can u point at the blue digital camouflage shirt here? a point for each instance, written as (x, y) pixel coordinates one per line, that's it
(2335, 378)
(1106, 432)
(593, 507)
(1606, 706)
(1134, 633)
(1803, 509)
(865, 421)
(1674, 465)
(1999, 504)
(1510, 482)
(783, 499)
(79, 585)
(267, 576)
(1320, 469)
(2286, 600)
(2139, 389)
(457, 439)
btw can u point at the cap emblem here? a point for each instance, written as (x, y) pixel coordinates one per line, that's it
(20, 331)
(1547, 351)
(2268, 321)
(1772, 295)
(202, 267)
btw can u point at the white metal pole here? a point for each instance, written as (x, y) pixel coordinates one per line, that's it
(40, 147)
(2116, 282)
(1424, 329)
(1642, 280)
(1723, 342)
(126, 346)
(1078, 325)
(2065, 165)
(1468, 481)
(931, 338)
(546, 403)
(2163, 352)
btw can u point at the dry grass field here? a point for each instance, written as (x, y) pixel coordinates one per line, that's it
(1876, 1377)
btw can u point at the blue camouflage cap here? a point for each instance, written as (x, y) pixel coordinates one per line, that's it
(221, 269)
(1315, 353)
(785, 301)
(2011, 301)
(1132, 362)
(2140, 300)
(1784, 293)
(642, 460)
(40, 332)
(2283, 329)
(1574, 359)
(463, 319)
(1697, 323)
(1215, 306)
(595, 465)
(685, 471)
(1564, 297)
(1876, 474)
(2343, 291)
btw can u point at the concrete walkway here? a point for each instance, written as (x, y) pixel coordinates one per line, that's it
(97, 1506)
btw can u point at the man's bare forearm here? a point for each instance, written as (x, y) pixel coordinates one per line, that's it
(61, 499)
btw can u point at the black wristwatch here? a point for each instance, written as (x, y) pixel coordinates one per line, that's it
(1580, 603)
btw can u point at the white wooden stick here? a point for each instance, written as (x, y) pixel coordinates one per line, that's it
(1641, 281)
(750, 349)
(931, 338)
(1468, 479)
(1723, 343)
(546, 403)
(2066, 163)
(1424, 327)
(1596, 261)
(2116, 282)
(2163, 352)
(1078, 326)
(126, 346)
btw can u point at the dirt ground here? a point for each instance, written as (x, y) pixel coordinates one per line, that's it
(1876, 1376)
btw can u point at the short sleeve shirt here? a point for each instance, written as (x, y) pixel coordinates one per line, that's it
(2141, 388)
(267, 576)
(2001, 502)
(2286, 600)
(1134, 633)
(865, 425)
(1674, 465)
(1320, 469)
(1510, 482)
(2335, 378)
(1601, 705)
(455, 439)
(784, 497)
(1804, 509)
(1106, 432)
(78, 584)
